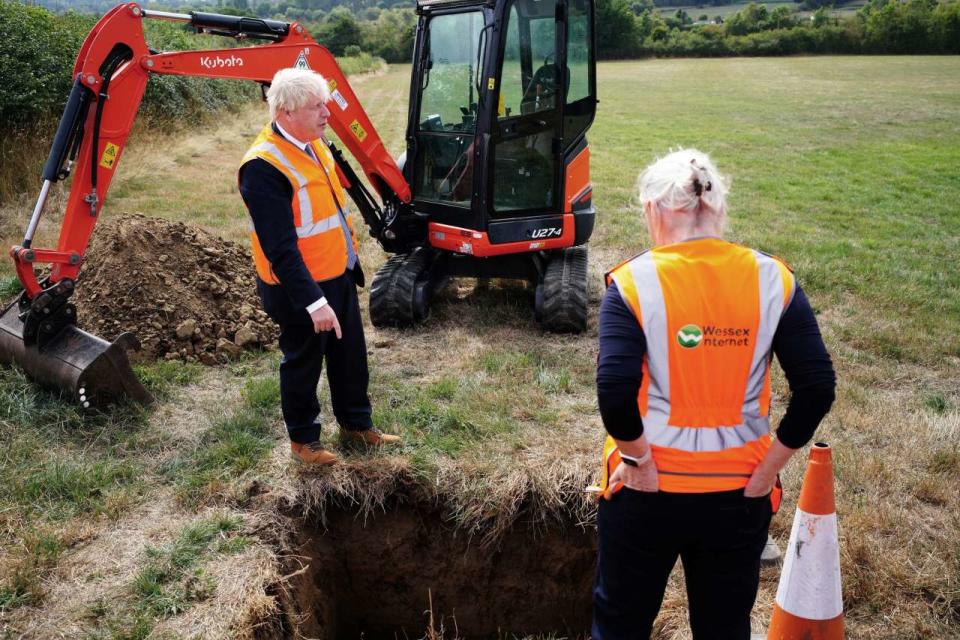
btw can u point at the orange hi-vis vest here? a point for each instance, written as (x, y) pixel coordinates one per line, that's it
(318, 200)
(709, 310)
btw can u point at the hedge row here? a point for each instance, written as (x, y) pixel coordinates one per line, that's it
(37, 54)
(880, 27)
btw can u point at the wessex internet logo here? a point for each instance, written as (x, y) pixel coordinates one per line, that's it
(691, 336)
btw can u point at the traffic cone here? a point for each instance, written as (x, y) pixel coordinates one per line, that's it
(809, 605)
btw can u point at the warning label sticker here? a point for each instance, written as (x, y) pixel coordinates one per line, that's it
(339, 99)
(332, 84)
(301, 62)
(358, 130)
(109, 157)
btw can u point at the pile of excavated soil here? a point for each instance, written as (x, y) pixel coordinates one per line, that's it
(185, 293)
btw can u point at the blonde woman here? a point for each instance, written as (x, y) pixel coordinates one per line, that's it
(687, 334)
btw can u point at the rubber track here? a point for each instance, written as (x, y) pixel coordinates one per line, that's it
(392, 290)
(564, 307)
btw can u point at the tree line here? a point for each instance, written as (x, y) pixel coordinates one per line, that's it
(638, 28)
(628, 29)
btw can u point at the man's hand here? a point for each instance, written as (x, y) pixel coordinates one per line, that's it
(324, 319)
(642, 478)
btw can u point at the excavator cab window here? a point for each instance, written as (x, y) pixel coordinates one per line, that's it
(581, 101)
(528, 110)
(447, 119)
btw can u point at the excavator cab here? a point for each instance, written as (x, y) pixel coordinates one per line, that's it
(496, 181)
(501, 98)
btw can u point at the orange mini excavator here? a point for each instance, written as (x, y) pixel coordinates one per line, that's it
(494, 181)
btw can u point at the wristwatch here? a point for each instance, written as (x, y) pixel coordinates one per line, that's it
(630, 461)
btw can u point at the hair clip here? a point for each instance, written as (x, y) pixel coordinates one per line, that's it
(698, 188)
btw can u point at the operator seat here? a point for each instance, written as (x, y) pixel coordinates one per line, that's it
(540, 94)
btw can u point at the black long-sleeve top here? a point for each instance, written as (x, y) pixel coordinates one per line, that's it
(268, 195)
(797, 343)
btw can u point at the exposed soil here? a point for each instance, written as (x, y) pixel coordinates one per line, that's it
(406, 570)
(185, 293)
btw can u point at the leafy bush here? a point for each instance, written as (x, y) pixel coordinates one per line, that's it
(37, 53)
(391, 35)
(37, 50)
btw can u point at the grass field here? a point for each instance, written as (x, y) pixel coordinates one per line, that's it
(135, 523)
(723, 10)
(695, 10)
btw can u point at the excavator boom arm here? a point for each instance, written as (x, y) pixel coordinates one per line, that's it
(112, 69)
(38, 331)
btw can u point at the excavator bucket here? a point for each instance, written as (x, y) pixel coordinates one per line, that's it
(93, 371)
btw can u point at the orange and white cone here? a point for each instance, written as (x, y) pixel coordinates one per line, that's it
(809, 605)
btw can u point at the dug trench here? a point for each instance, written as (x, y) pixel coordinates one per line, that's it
(393, 571)
(407, 570)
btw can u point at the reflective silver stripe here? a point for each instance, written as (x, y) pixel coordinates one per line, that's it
(661, 472)
(322, 226)
(661, 434)
(654, 316)
(770, 283)
(303, 197)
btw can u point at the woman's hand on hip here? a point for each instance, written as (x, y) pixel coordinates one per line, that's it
(760, 484)
(642, 478)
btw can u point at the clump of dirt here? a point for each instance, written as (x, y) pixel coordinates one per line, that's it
(185, 293)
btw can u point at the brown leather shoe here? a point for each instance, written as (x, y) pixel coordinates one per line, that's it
(372, 436)
(312, 453)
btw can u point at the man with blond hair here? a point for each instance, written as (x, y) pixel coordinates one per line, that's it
(305, 253)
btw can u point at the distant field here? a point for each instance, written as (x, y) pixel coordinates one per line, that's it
(843, 166)
(724, 10)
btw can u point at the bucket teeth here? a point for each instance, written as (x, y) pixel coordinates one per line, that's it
(93, 371)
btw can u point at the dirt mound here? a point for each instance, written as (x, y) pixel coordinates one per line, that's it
(185, 293)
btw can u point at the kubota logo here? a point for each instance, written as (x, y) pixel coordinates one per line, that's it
(689, 336)
(216, 62)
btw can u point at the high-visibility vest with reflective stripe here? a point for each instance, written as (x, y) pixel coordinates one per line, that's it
(709, 310)
(318, 199)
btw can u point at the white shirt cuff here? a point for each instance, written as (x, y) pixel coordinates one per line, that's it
(319, 304)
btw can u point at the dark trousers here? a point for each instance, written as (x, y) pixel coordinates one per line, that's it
(718, 538)
(303, 354)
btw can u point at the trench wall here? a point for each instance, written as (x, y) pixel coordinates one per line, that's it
(378, 578)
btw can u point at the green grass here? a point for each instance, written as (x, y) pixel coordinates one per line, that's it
(364, 63)
(723, 10)
(63, 488)
(837, 166)
(234, 446)
(695, 10)
(170, 581)
(263, 394)
(162, 377)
